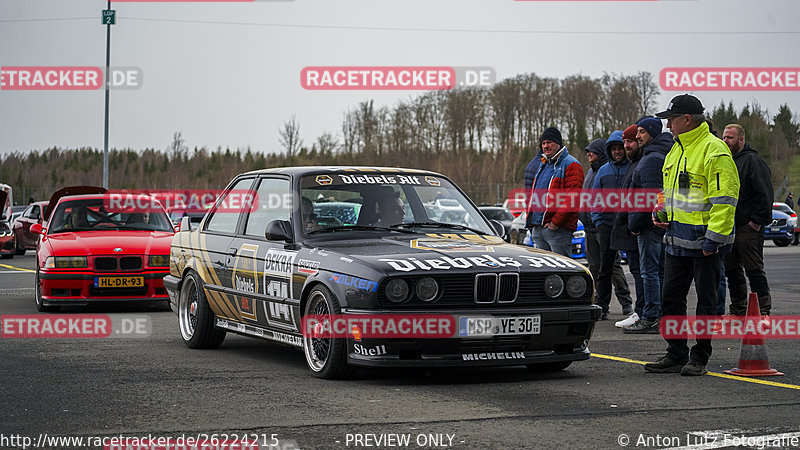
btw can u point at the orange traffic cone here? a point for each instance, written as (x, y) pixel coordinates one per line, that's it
(753, 360)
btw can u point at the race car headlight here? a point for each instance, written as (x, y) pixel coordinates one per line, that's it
(553, 286)
(579, 234)
(158, 261)
(576, 286)
(397, 290)
(65, 262)
(427, 289)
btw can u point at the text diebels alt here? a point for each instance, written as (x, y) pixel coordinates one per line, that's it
(379, 179)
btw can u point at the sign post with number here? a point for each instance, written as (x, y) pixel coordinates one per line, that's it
(109, 17)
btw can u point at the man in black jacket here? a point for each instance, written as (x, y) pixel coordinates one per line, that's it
(596, 153)
(647, 175)
(753, 213)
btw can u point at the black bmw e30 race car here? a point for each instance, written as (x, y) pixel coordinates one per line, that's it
(358, 267)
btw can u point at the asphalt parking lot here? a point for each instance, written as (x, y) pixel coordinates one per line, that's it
(152, 385)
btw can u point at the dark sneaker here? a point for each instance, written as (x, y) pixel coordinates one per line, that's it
(665, 364)
(604, 316)
(694, 369)
(642, 326)
(627, 311)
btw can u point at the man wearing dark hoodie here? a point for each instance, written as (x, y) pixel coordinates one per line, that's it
(609, 176)
(596, 153)
(655, 144)
(753, 213)
(621, 237)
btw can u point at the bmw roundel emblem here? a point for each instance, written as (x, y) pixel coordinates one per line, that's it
(118, 249)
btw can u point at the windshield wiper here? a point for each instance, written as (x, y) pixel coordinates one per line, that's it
(439, 225)
(357, 227)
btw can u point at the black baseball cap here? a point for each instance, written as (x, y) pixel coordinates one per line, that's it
(680, 105)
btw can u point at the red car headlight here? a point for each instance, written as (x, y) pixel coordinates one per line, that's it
(66, 262)
(158, 261)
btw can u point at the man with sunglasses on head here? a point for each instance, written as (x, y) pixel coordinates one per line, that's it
(701, 189)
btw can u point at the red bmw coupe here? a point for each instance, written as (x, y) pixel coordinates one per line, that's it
(95, 250)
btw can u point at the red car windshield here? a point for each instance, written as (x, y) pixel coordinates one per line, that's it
(91, 214)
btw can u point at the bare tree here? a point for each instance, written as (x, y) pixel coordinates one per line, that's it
(327, 143)
(349, 131)
(580, 96)
(177, 149)
(504, 100)
(290, 136)
(648, 91)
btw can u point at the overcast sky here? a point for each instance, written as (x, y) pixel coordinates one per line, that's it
(228, 74)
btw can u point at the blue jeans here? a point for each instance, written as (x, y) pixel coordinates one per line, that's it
(651, 262)
(559, 241)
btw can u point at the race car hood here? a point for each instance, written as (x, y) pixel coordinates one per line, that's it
(104, 242)
(442, 254)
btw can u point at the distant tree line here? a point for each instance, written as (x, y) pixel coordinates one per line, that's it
(482, 138)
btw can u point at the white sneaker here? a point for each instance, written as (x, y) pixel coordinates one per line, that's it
(627, 322)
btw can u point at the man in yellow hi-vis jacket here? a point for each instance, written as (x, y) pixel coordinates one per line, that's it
(701, 188)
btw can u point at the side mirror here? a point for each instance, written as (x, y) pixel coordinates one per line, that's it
(185, 225)
(279, 230)
(37, 229)
(499, 229)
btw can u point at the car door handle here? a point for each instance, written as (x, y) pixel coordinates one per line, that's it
(232, 251)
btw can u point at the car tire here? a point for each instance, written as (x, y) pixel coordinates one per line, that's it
(782, 242)
(195, 317)
(796, 239)
(549, 367)
(326, 356)
(37, 295)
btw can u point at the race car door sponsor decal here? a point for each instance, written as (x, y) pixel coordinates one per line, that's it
(245, 280)
(278, 285)
(307, 266)
(281, 315)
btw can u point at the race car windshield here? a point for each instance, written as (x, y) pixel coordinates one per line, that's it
(92, 214)
(373, 201)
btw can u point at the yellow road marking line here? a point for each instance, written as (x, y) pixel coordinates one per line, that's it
(713, 374)
(17, 268)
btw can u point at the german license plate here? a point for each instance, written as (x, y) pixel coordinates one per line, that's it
(775, 229)
(499, 326)
(118, 282)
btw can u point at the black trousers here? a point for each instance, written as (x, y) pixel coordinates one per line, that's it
(679, 272)
(608, 257)
(747, 254)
